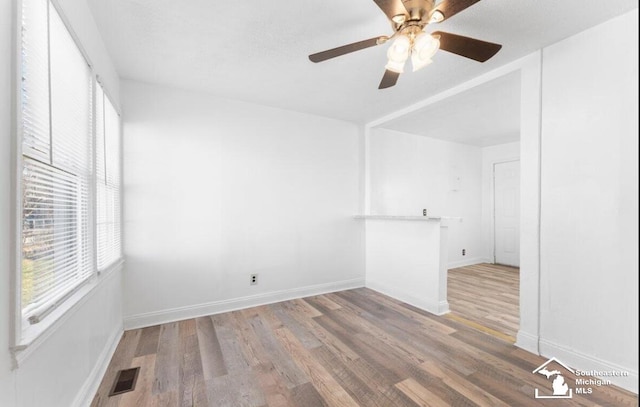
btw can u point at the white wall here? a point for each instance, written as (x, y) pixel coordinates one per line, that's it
(406, 260)
(589, 212)
(218, 189)
(67, 365)
(408, 173)
(490, 156)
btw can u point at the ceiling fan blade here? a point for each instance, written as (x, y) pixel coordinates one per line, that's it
(389, 79)
(391, 7)
(467, 47)
(450, 8)
(346, 49)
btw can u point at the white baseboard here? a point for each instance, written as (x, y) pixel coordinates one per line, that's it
(467, 262)
(584, 362)
(527, 341)
(217, 307)
(433, 307)
(90, 386)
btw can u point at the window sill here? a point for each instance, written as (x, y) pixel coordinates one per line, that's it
(35, 335)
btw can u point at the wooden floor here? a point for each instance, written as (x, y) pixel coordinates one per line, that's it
(352, 348)
(486, 296)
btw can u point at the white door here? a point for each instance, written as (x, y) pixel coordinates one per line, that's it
(506, 201)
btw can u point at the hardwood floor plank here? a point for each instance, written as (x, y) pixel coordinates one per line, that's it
(400, 358)
(236, 390)
(121, 359)
(422, 342)
(275, 390)
(232, 354)
(167, 360)
(486, 294)
(423, 318)
(192, 389)
(247, 341)
(142, 394)
(372, 356)
(307, 395)
(210, 352)
(281, 360)
(304, 336)
(325, 384)
(306, 308)
(460, 384)
(166, 399)
(359, 388)
(351, 348)
(148, 343)
(325, 337)
(420, 395)
(513, 396)
(326, 303)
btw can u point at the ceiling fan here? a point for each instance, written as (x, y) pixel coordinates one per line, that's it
(408, 19)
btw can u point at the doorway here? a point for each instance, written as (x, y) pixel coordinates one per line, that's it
(506, 213)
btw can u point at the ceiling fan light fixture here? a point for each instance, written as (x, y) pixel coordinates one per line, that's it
(400, 49)
(398, 53)
(436, 17)
(419, 63)
(424, 48)
(395, 66)
(408, 19)
(399, 19)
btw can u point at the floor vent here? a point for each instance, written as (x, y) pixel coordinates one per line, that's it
(125, 381)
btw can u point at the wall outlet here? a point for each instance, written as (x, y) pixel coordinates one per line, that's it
(464, 252)
(253, 279)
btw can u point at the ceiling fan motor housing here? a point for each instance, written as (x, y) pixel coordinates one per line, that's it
(419, 9)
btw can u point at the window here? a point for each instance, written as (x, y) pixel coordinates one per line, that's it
(107, 181)
(64, 236)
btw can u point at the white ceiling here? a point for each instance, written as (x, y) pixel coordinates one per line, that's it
(256, 50)
(485, 115)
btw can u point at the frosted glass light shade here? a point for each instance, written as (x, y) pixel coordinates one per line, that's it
(398, 53)
(395, 66)
(419, 63)
(424, 47)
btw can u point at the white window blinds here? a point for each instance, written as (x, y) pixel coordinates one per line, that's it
(107, 181)
(56, 95)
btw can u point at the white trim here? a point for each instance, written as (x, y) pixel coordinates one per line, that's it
(467, 262)
(15, 248)
(76, 39)
(584, 362)
(217, 307)
(21, 351)
(527, 341)
(90, 386)
(432, 307)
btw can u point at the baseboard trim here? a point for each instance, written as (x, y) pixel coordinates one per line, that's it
(584, 362)
(467, 262)
(90, 386)
(436, 308)
(217, 307)
(527, 341)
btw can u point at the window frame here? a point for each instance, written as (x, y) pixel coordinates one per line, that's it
(24, 340)
(106, 97)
